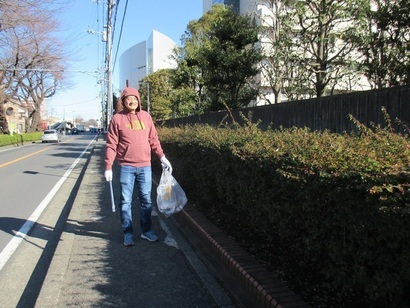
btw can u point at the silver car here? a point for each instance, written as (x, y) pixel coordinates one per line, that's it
(50, 135)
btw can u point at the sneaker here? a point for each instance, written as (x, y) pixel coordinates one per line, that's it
(128, 240)
(149, 236)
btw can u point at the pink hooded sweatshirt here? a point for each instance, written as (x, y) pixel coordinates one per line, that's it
(131, 137)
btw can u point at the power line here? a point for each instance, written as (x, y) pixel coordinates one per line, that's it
(119, 39)
(46, 70)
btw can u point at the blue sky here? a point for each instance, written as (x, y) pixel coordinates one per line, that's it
(82, 24)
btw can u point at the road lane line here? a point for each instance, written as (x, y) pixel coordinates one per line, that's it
(22, 233)
(21, 158)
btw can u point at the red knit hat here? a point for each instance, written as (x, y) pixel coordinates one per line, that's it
(130, 91)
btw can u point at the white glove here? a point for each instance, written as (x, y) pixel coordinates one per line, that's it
(108, 175)
(166, 164)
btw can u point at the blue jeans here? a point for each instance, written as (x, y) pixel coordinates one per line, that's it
(142, 176)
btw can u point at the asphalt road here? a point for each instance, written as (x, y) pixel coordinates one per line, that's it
(37, 185)
(30, 176)
(73, 254)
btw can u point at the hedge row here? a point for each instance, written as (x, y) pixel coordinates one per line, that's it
(19, 139)
(328, 213)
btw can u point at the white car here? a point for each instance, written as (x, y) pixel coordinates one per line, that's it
(50, 135)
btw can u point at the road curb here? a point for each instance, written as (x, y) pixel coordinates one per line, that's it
(260, 284)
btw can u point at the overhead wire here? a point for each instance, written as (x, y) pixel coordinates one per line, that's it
(99, 49)
(120, 35)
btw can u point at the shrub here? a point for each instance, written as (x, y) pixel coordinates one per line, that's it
(328, 213)
(19, 138)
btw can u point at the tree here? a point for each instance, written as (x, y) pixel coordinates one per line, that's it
(30, 57)
(230, 61)
(384, 42)
(323, 47)
(40, 76)
(221, 49)
(160, 91)
(183, 102)
(282, 70)
(186, 80)
(322, 40)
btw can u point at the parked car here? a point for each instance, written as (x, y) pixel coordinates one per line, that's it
(50, 135)
(74, 131)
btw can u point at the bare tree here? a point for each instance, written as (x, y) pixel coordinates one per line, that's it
(31, 58)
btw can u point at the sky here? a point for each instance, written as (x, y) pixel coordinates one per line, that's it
(82, 24)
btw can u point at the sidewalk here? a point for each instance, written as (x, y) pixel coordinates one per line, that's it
(92, 268)
(194, 264)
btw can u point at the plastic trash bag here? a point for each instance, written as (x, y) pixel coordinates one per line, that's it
(170, 196)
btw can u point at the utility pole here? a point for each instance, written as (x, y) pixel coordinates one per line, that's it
(148, 102)
(109, 62)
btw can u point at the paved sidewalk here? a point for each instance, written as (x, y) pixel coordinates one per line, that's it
(92, 268)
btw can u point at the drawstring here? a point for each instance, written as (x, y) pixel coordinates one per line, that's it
(139, 119)
(132, 122)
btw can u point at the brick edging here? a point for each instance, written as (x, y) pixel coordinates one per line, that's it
(266, 289)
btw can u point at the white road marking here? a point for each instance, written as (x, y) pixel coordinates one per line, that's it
(22, 233)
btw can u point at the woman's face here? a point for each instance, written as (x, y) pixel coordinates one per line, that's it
(131, 103)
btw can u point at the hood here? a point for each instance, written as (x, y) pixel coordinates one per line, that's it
(131, 91)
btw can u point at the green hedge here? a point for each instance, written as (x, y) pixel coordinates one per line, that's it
(328, 213)
(19, 138)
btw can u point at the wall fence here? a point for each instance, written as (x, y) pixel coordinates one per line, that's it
(319, 114)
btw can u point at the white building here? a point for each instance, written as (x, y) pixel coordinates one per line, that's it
(239, 6)
(145, 58)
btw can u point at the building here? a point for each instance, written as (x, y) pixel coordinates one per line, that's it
(145, 58)
(13, 117)
(235, 4)
(239, 6)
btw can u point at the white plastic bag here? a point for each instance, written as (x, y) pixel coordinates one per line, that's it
(170, 196)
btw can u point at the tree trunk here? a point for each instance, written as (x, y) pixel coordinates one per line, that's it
(35, 125)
